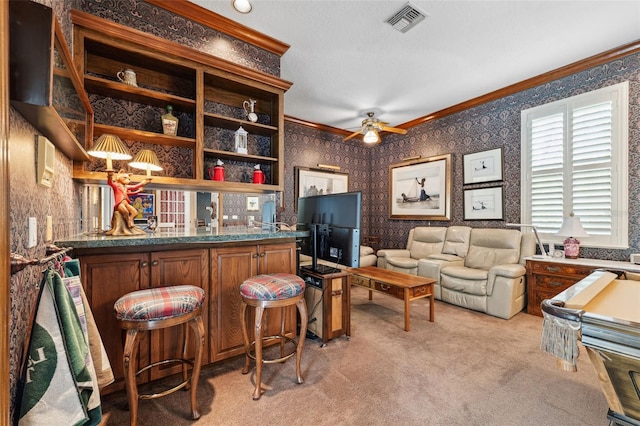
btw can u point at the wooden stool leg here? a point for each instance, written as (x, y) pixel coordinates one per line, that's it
(304, 318)
(129, 357)
(283, 340)
(245, 337)
(258, 349)
(184, 330)
(198, 330)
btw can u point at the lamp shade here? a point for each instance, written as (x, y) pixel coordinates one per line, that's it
(572, 227)
(146, 160)
(109, 147)
(371, 136)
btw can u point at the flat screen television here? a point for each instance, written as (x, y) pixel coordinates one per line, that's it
(333, 222)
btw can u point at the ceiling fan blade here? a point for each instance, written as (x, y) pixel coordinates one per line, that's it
(394, 130)
(351, 136)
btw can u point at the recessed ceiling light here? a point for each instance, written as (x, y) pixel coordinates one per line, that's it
(242, 6)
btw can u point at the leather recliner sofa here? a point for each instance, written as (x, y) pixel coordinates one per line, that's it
(476, 268)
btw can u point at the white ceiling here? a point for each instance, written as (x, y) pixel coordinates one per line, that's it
(345, 60)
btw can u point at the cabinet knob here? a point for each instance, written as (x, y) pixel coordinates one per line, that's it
(262, 255)
(144, 264)
(336, 293)
(254, 255)
(154, 263)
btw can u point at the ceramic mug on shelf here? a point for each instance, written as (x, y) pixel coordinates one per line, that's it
(127, 76)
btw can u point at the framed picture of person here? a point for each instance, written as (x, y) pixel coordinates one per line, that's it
(421, 189)
(144, 203)
(483, 166)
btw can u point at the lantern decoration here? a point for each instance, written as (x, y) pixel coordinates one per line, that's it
(241, 141)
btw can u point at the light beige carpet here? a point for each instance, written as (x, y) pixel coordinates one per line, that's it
(467, 368)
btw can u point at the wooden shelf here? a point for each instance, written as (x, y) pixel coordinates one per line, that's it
(215, 153)
(144, 136)
(217, 120)
(118, 90)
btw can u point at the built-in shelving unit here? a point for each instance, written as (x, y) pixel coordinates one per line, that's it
(207, 96)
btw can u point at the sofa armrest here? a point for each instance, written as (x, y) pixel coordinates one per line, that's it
(511, 270)
(506, 272)
(384, 253)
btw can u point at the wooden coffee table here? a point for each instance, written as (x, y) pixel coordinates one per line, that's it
(396, 284)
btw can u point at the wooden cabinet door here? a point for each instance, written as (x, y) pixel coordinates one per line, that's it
(105, 279)
(177, 268)
(230, 266)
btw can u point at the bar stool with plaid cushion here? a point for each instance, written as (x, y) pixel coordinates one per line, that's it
(154, 309)
(272, 291)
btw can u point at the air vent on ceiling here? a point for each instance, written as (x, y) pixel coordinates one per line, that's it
(406, 18)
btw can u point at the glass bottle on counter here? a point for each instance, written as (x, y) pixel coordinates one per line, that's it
(169, 123)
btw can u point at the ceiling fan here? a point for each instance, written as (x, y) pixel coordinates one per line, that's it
(371, 127)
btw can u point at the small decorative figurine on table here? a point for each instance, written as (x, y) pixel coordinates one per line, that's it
(123, 211)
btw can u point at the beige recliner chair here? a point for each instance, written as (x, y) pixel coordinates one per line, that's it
(492, 279)
(422, 242)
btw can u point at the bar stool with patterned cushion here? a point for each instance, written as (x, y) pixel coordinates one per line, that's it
(272, 291)
(154, 309)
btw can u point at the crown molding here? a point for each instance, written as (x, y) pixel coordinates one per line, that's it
(575, 67)
(211, 19)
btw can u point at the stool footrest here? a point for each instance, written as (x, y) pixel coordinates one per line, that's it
(169, 391)
(275, 360)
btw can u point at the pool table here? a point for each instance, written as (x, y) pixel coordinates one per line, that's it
(604, 308)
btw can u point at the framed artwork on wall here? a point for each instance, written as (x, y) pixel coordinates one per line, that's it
(421, 189)
(483, 166)
(484, 203)
(318, 182)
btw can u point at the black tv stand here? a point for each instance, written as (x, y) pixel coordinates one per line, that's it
(321, 269)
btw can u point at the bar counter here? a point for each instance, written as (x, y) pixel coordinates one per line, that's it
(174, 237)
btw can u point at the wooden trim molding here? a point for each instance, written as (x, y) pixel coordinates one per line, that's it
(317, 126)
(217, 22)
(565, 71)
(5, 242)
(113, 29)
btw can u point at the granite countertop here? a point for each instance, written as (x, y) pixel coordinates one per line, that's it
(175, 237)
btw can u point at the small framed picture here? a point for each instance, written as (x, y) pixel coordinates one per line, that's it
(253, 204)
(483, 204)
(484, 166)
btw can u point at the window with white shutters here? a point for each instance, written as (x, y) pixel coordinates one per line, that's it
(574, 160)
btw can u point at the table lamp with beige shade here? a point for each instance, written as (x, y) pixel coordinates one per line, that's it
(572, 229)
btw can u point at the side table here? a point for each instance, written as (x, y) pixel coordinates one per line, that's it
(547, 277)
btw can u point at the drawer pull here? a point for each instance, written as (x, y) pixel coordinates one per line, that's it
(553, 269)
(336, 293)
(384, 287)
(555, 284)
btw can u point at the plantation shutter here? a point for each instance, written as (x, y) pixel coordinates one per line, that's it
(574, 160)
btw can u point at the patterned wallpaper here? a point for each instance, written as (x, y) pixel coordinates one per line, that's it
(497, 124)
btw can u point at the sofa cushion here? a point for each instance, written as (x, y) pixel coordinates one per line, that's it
(403, 262)
(427, 240)
(465, 280)
(490, 247)
(457, 240)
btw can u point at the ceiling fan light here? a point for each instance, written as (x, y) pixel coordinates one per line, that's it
(371, 136)
(242, 6)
